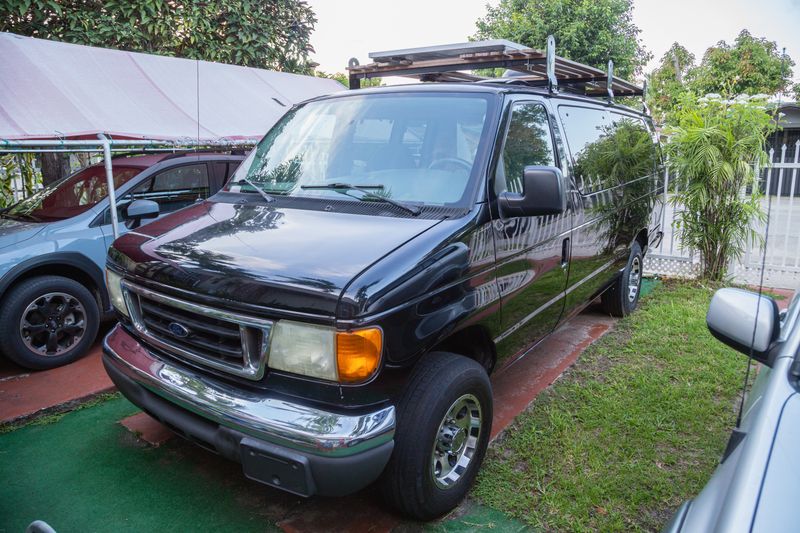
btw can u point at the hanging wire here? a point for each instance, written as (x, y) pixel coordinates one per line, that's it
(197, 84)
(763, 262)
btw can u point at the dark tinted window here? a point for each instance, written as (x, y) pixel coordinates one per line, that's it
(582, 126)
(608, 148)
(186, 181)
(528, 142)
(172, 189)
(639, 143)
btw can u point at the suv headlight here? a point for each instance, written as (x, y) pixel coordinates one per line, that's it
(114, 284)
(324, 353)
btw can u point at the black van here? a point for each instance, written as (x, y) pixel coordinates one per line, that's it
(331, 317)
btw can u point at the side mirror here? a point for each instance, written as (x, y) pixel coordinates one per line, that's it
(139, 210)
(733, 316)
(542, 194)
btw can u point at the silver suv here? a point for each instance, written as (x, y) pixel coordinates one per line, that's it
(53, 248)
(757, 482)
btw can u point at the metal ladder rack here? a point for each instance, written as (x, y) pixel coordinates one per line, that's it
(531, 67)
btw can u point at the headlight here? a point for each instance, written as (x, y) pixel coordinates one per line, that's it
(324, 353)
(114, 284)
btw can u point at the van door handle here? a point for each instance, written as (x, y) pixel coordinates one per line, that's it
(565, 253)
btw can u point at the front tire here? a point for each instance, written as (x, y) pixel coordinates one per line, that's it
(47, 322)
(443, 425)
(622, 298)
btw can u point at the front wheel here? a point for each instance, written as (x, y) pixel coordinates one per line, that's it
(48, 321)
(443, 425)
(622, 298)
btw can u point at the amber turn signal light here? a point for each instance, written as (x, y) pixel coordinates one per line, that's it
(358, 353)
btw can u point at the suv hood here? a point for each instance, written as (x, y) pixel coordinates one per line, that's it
(290, 260)
(15, 231)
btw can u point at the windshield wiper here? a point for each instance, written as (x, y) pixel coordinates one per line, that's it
(367, 194)
(267, 198)
(21, 216)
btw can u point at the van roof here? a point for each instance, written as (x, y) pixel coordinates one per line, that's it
(499, 88)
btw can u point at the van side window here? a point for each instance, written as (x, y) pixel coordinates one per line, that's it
(631, 138)
(528, 142)
(583, 128)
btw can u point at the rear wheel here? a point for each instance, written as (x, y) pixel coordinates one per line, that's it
(443, 425)
(623, 297)
(48, 321)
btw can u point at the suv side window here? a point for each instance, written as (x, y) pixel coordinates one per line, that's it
(528, 142)
(172, 189)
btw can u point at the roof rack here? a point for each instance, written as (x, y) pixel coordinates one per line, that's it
(530, 67)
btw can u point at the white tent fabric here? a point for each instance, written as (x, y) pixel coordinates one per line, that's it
(53, 90)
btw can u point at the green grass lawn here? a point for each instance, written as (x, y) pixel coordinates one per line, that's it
(633, 429)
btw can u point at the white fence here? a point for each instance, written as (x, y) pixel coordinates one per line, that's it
(781, 183)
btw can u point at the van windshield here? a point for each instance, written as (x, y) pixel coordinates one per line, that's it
(71, 196)
(410, 147)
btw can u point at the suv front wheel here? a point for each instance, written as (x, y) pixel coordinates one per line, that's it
(48, 321)
(443, 425)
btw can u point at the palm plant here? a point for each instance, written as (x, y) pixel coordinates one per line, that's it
(714, 150)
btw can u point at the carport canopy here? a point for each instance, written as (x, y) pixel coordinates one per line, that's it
(55, 90)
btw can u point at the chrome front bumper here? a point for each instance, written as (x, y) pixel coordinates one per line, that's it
(300, 428)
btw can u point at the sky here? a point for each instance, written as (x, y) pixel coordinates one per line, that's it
(353, 28)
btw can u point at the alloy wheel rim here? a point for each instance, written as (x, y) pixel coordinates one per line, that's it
(456, 441)
(53, 324)
(634, 279)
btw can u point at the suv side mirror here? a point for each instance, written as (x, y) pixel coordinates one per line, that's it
(139, 210)
(542, 194)
(735, 313)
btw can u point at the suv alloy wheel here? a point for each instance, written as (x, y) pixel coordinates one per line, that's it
(48, 321)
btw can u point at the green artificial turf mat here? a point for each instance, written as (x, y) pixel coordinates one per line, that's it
(85, 472)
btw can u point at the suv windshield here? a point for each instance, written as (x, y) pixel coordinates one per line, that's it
(69, 197)
(410, 147)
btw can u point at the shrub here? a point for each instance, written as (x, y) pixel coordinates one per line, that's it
(714, 149)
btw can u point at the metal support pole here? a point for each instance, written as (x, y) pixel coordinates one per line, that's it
(112, 194)
(353, 79)
(552, 80)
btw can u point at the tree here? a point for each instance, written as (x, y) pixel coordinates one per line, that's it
(272, 34)
(588, 31)
(667, 82)
(752, 65)
(713, 149)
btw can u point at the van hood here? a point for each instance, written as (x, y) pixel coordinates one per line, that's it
(13, 232)
(289, 260)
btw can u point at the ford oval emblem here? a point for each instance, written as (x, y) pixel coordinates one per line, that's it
(179, 330)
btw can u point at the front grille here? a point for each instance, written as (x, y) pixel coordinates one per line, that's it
(213, 337)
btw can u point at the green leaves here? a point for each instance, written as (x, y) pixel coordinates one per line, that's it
(589, 31)
(713, 151)
(273, 34)
(752, 65)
